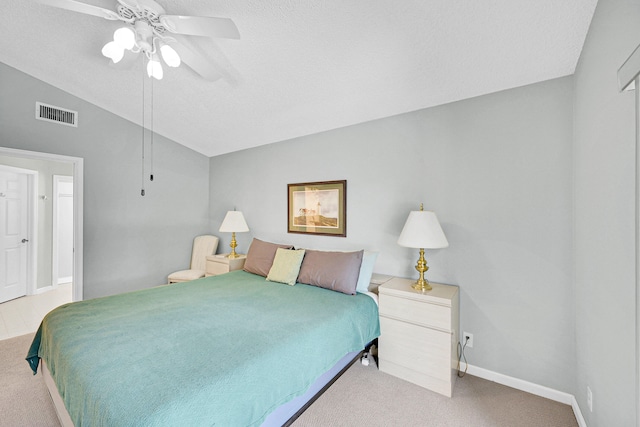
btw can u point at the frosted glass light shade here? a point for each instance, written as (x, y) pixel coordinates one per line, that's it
(234, 222)
(125, 38)
(422, 230)
(170, 56)
(154, 69)
(113, 51)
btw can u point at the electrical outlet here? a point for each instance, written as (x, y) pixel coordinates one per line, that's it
(468, 339)
(589, 399)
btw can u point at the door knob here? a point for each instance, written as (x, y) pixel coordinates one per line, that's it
(25, 240)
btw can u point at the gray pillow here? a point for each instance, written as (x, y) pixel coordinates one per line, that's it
(260, 256)
(337, 271)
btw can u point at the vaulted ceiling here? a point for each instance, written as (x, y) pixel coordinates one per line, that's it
(304, 66)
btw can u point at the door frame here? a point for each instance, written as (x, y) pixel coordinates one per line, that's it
(32, 221)
(629, 79)
(55, 227)
(78, 203)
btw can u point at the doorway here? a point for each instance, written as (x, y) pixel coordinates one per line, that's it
(629, 79)
(77, 210)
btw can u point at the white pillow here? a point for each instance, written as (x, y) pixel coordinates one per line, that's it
(366, 270)
(286, 266)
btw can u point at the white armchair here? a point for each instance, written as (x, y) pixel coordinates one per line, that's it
(202, 246)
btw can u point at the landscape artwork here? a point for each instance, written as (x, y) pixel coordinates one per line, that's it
(317, 208)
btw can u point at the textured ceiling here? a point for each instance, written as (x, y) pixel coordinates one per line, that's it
(304, 66)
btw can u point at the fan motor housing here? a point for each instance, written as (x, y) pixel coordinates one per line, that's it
(147, 11)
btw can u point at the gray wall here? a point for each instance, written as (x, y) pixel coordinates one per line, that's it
(130, 242)
(604, 158)
(496, 169)
(46, 170)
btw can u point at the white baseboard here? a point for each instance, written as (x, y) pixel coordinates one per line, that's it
(44, 289)
(529, 387)
(578, 413)
(61, 281)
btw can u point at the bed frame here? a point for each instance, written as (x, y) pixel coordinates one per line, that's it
(61, 411)
(284, 415)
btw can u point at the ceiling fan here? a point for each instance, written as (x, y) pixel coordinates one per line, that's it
(155, 34)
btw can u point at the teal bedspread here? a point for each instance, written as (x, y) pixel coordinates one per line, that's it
(223, 351)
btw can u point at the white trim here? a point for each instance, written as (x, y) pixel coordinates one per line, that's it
(54, 233)
(55, 280)
(32, 281)
(44, 289)
(519, 384)
(628, 72)
(629, 79)
(78, 208)
(78, 221)
(637, 246)
(529, 387)
(577, 412)
(32, 277)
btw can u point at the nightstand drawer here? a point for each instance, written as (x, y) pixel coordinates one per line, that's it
(417, 312)
(220, 264)
(215, 268)
(423, 350)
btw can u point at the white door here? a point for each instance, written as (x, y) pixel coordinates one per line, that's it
(13, 235)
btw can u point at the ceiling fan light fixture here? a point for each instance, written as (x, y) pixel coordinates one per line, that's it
(170, 56)
(146, 24)
(154, 68)
(125, 38)
(113, 51)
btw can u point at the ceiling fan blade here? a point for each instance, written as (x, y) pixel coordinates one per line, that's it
(201, 26)
(193, 59)
(77, 6)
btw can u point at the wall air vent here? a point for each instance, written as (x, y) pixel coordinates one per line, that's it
(51, 113)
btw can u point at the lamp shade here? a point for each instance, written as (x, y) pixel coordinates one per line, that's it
(234, 222)
(422, 230)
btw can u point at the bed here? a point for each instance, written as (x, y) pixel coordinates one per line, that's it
(226, 350)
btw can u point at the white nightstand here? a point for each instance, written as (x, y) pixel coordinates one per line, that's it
(419, 334)
(220, 264)
(377, 280)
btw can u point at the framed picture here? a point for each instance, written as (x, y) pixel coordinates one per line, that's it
(318, 208)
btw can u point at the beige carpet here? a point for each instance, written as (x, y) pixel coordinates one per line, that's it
(24, 399)
(363, 396)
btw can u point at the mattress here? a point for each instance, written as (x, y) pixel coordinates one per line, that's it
(224, 350)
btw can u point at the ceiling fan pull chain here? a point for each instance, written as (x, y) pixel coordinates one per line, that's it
(142, 192)
(151, 154)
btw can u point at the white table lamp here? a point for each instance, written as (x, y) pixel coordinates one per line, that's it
(234, 223)
(422, 230)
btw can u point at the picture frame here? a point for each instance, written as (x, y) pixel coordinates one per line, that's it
(317, 208)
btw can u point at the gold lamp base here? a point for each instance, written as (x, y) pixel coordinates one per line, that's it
(422, 284)
(233, 245)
